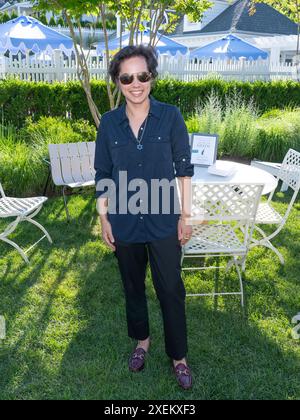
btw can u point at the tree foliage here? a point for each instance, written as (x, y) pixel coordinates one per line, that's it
(290, 8)
(133, 14)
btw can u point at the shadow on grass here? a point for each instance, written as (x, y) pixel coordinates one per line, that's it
(86, 357)
(230, 358)
(18, 279)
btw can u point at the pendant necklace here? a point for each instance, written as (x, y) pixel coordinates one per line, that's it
(139, 140)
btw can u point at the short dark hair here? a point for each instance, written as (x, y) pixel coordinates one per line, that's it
(148, 52)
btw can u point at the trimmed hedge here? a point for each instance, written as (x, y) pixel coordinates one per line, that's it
(19, 100)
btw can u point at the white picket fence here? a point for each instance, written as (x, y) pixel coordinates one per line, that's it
(58, 68)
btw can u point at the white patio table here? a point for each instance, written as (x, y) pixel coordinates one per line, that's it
(242, 174)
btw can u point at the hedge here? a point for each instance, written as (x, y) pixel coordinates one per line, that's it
(20, 99)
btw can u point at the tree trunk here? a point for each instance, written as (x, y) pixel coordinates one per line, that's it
(83, 73)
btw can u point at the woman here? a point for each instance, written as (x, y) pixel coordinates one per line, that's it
(142, 142)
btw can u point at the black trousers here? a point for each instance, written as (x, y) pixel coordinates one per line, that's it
(164, 257)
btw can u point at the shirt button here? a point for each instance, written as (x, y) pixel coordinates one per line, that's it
(140, 164)
(159, 138)
(141, 218)
(116, 142)
(183, 160)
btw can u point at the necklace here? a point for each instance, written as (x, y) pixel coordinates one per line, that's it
(139, 139)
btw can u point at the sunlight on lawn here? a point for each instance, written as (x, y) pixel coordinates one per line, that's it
(66, 326)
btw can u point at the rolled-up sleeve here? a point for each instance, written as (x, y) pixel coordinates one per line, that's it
(103, 162)
(180, 147)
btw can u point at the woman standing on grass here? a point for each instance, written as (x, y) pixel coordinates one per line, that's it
(142, 141)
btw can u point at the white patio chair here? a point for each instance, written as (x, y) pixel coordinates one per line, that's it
(22, 209)
(271, 167)
(289, 174)
(72, 165)
(218, 212)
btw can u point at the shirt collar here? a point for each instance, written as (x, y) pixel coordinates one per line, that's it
(154, 109)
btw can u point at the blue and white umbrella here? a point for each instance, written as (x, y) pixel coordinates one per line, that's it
(229, 47)
(28, 34)
(164, 45)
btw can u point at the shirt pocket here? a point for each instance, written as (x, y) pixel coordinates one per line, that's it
(119, 152)
(159, 148)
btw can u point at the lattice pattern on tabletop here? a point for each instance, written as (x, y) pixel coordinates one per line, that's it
(290, 169)
(224, 202)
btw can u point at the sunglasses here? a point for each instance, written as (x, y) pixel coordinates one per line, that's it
(143, 77)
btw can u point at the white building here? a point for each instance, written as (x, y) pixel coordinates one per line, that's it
(267, 28)
(20, 8)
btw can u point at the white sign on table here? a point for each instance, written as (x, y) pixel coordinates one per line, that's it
(204, 149)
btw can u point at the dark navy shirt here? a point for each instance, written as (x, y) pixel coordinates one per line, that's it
(166, 154)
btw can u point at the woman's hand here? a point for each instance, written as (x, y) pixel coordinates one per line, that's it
(107, 235)
(184, 231)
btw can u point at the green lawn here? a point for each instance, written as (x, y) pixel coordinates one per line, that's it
(67, 334)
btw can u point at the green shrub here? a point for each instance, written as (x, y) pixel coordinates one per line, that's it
(242, 133)
(83, 128)
(22, 169)
(210, 115)
(234, 122)
(23, 99)
(52, 130)
(273, 113)
(193, 124)
(9, 132)
(52, 21)
(4, 17)
(14, 15)
(277, 135)
(43, 19)
(238, 131)
(61, 22)
(19, 100)
(21, 172)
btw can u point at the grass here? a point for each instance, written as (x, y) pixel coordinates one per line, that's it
(67, 334)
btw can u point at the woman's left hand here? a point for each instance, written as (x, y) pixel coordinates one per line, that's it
(184, 231)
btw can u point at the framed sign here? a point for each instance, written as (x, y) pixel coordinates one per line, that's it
(204, 149)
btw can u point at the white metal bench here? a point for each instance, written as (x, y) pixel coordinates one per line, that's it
(72, 166)
(22, 209)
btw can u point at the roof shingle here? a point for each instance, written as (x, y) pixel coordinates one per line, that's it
(236, 18)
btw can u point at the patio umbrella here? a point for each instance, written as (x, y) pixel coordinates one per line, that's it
(229, 47)
(165, 45)
(28, 34)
